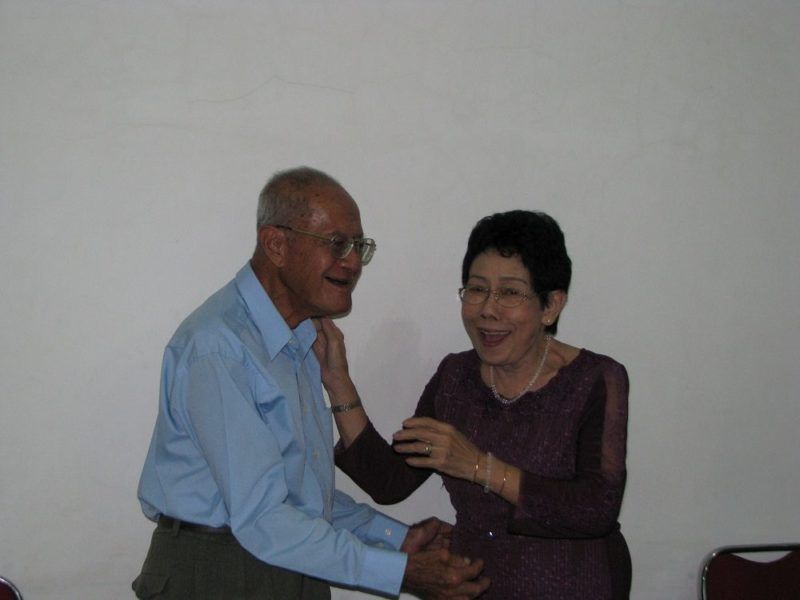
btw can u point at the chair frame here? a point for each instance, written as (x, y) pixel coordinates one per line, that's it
(745, 549)
(10, 585)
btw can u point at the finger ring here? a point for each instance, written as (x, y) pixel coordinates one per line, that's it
(428, 449)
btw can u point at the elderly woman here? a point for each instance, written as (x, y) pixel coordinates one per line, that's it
(527, 432)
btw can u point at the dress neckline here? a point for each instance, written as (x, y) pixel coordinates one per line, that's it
(476, 371)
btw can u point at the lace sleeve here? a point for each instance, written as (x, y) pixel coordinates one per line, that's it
(371, 462)
(587, 505)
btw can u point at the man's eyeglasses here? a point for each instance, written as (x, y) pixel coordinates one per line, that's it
(341, 246)
(506, 296)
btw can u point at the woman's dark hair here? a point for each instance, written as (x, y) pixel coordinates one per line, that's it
(533, 236)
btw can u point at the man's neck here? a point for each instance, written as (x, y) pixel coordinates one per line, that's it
(278, 293)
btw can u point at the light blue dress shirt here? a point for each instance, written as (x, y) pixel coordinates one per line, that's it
(243, 438)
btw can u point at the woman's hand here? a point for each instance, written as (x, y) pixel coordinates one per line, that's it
(348, 412)
(331, 354)
(436, 445)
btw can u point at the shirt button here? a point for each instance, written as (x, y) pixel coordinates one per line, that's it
(315, 454)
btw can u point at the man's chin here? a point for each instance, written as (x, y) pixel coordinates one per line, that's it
(334, 312)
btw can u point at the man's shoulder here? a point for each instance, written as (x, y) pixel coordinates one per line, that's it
(216, 323)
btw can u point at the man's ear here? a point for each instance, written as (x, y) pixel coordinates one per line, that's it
(272, 244)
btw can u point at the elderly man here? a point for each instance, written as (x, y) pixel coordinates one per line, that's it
(239, 475)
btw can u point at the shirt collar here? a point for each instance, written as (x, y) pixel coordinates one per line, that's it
(275, 333)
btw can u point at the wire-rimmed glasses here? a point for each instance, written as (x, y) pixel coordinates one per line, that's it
(341, 246)
(508, 297)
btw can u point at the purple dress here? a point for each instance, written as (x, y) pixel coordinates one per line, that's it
(563, 540)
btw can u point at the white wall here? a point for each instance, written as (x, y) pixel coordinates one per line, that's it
(663, 135)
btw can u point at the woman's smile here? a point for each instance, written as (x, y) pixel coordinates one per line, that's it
(493, 337)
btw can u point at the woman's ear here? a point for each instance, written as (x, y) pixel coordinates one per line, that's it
(556, 301)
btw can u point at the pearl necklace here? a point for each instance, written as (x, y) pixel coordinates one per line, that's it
(503, 399)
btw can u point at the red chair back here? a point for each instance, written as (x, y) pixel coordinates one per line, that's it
(8, 591)
(730, 575)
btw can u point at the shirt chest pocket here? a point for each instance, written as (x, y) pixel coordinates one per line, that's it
(279, 409)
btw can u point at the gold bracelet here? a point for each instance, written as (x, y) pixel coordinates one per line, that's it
(477, 462)
(345, 407)
(502, 485)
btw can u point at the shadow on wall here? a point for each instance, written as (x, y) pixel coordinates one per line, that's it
(391, 370)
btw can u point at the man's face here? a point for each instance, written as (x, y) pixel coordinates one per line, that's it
(319, 284)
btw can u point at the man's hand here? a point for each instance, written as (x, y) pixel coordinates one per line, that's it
(430, 534)
(441, 575)
(432, 571)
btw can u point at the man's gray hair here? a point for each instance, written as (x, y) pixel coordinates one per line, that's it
(284, 198)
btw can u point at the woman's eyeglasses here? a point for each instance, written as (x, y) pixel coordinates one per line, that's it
(505, 296)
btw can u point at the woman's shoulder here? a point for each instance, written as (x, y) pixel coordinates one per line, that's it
(598, 357)
(459, 361)
(465, 356)
(457, 373)
(601, 364)
(458, 365)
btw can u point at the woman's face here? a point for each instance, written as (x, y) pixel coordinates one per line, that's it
(504, 337)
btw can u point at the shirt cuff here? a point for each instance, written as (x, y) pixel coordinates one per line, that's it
(385, 532)
(384, 567)
(383, 570)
